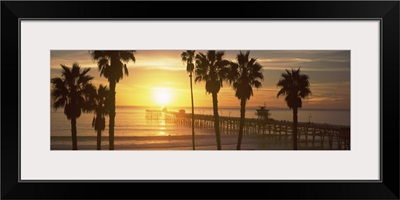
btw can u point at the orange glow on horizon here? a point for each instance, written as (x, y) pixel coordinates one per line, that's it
(159, 78)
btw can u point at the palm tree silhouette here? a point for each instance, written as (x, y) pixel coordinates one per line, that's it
(294, 86)
(244, 75)
(212, 69)
(71, 92)
(188, 57)
(99, 103)
(112, 65)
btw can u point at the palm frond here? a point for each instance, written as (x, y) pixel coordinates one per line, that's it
(211, 56)
(256, 83)
(295, 86)
(233, 74)
(218, 55)
(127, 56)
(184, 56)
(112, 64)
(245, 74)
(126, 70)
(96, 54)
(59, 102)
(281, 92)
(103, 63)
(70, 90)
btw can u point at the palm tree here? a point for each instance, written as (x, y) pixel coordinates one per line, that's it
(188, 57)
(100, 104)
(71, 91)
(212, 69)
(294, 86)
(112, 65)
(245, 74)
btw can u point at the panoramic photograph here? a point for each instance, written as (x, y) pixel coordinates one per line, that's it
(200, 100)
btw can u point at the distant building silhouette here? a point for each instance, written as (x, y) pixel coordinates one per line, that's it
(262, 113)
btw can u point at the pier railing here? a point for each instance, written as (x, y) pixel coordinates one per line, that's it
(311, 135)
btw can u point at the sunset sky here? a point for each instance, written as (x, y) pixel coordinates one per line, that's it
(159, 78)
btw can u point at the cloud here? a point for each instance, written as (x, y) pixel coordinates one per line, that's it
(329, 72)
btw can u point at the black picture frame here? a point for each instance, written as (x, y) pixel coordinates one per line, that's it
(386, 11)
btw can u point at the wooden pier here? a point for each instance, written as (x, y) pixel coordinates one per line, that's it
(311, 135)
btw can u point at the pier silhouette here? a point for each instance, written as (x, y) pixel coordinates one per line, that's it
(310, 135)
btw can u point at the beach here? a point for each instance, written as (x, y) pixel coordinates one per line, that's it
(181, 142)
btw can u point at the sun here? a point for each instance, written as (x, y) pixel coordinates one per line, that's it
(162, 96)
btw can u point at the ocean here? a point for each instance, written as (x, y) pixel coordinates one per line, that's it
(131, 121)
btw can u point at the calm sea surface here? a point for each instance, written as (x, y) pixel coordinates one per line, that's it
(131, 121)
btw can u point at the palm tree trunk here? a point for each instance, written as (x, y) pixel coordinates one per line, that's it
(98, 139)
(294, 128)
(216, 120)
(112, 115)
(241, 125)
(191, 95)
(73, 132)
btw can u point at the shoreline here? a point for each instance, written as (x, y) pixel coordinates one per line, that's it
(181, 142)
